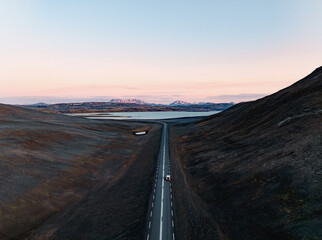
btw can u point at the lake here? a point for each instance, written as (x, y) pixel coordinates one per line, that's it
(142, 115)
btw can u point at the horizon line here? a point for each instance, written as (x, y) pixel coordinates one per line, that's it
(165, 99)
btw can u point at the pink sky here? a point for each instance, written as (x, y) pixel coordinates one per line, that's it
(194, 80)
(51, 51)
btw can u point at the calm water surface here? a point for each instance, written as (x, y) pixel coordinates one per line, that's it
(143, 115)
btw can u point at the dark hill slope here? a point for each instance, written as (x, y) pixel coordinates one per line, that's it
(73, 178)
(253, 171)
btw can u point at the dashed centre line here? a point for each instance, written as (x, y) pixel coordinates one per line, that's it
(161, 200)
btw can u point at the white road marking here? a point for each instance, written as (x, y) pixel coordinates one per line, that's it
(162, 192)
(163, 197)
(147, 237)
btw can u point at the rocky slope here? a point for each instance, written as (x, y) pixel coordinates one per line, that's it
(253, 171)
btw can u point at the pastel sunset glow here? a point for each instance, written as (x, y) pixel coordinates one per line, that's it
(157, 51)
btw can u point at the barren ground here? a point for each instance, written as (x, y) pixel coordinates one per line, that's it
(253, 171)
(72, 178)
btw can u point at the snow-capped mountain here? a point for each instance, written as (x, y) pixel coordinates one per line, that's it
(136, 101)
(179, 103)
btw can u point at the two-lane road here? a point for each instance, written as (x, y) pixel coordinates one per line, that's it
(161, 220)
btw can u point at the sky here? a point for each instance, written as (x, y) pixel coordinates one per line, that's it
(157, 51)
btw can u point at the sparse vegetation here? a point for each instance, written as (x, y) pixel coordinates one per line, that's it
(253, 171)
(73, 178)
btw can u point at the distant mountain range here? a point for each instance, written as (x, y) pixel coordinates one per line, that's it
(175, 103)
(40, 104)
(135, 101)
(140, 102)
(128, 105)
(180, 103)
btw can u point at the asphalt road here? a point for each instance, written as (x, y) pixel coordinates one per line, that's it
(161, 221)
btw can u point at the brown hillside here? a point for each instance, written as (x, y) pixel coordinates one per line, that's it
(253, 171)
(73, 178)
